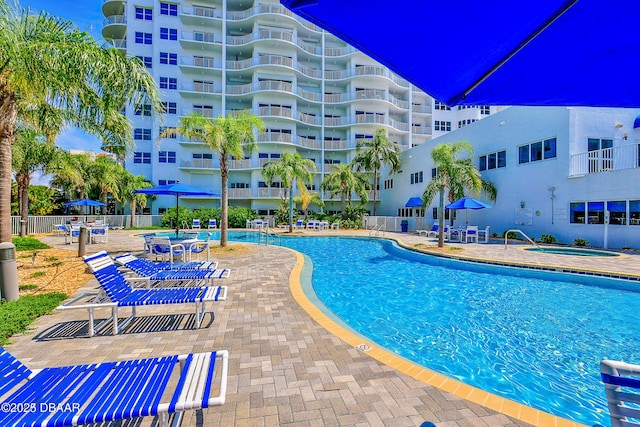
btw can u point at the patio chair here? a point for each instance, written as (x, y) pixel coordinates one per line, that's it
(112, 391)
(212, 224)
(335, 226)
(162, 246)
(483, 235)
(99, 233)
(622, 387)
(432, 232)
(299, 225)
(471, 233)
(116, 291)
(195, 224)
(148, 268)
(198, 247)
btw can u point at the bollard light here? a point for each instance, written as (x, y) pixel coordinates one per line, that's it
(8, 272)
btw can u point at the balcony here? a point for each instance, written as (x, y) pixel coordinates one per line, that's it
(113, 7)
(274, 137)
(200, 40)
(198, 164)
(199, 64)
(240, 193)
(271, 192)
(120, 44)
(114, 27)
(199, 15)
(240, 164)
(275, 111)
(199, 88)
(336, 145)
(309, 143)
(605, 160)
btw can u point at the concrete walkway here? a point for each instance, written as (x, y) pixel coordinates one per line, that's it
(285, 369)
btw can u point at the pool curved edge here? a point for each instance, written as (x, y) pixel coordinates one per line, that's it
(488, 400)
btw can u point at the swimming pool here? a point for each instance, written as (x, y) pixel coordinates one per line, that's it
(531, 336)
(571, 251)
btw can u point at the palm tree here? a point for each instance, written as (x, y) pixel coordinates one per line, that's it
(73, 180)
(343, 180)
(291, 168)
(228, 136)
(128, 184)
(54, 75)
(105, 176)
(31, 153)
(455, 174)
(374, 153)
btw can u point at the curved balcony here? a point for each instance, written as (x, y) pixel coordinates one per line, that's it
(275, 137)
(200, 64)
(120, 44)
(366, 70)
(201, 40)
(199, 15)
(200, 89)
(309, 143)
(113, 7)
(114, 27)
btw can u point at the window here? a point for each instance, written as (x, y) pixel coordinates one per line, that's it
(167, 128)
(203, 61)
(492, 160)
(144, 13)
(485, 110)
(142, 134)
(634, 212)
(169, 58)
(388, 184)
(600, 154)
(168, 83)
(170, 107)
(143, 110)
(417, 177)
(205, 110)
(617, 212)
(442, 125)
(144, 38)
(146, 60)
(434, 172)
(168, 9)
(166, 156)
(463, 123)
(440, 106)
(576, 212)
(166, 181)
(595, 210)
(536, 151)
(142, 157)
(168, 33)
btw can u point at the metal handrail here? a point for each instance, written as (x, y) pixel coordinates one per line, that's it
(379, 229)
(515, 230)
(267, 233)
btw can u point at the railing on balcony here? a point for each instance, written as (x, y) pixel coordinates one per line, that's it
(240, 192)
(606, 159)
(270, 192)
(117, 43)
(275, 85)
(115, 19)
(238, 89)
(201, 11)
(275, 60)
(197, 163)
(335, 145)
(240, 164)
(275, 111)
(308, 118)
(197, 61)
(309, 142)
(274, 136)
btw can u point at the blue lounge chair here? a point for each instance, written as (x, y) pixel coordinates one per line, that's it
(212, 223)
(195, 270)
(195, 224)
(111, 391)
(622, 387)
(117, 292)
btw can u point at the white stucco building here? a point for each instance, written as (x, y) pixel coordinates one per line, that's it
(316, 95)
(557, 171)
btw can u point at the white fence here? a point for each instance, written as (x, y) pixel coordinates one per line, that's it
(394, 223)
(45, 224)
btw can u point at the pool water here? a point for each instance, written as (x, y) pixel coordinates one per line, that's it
(531, 336)
(571, 251)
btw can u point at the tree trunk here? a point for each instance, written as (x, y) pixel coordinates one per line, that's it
(441, 221)
(8, 117)
(23, 201)
(224, 208)
(291, 209)
(133, 213)
(375, 186)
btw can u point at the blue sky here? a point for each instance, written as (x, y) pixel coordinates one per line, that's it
(87, 15)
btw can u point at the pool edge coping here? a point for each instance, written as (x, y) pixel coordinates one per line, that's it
(462, 390)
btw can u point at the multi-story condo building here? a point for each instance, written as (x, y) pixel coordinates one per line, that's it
(571, 172)
(316, 95)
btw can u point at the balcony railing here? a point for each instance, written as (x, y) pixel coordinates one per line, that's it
(605, 160)
(240, 192)
(240, 164)
(270, 192)
(114, 19)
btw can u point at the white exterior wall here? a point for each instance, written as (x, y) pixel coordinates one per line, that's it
(407, 111)
(530, 183)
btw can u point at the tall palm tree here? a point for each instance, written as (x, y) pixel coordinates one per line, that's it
(228, 136)
(128, 184)
(73, 180)
(105, 176)
(372, 154)
(292, 169)
(53, 75)
(453, 174)
(31, 153)
(344, 180)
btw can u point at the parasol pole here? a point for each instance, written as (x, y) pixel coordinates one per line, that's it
(177, 225)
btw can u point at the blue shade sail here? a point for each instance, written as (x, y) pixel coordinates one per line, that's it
(496, 52)
(414, 202)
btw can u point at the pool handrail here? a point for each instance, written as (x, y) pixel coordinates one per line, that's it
(515, 230)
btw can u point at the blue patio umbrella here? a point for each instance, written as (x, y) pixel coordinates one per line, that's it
(85, 202)
(535, 53)
(467, 203)
(177, 190)
(413, 202)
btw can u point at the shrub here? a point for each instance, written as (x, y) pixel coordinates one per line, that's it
(510, 235)
(580, 242)
(548, 238)
(28, 244)
(238, 216)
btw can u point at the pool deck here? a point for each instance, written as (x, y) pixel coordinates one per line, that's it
(289, 366)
